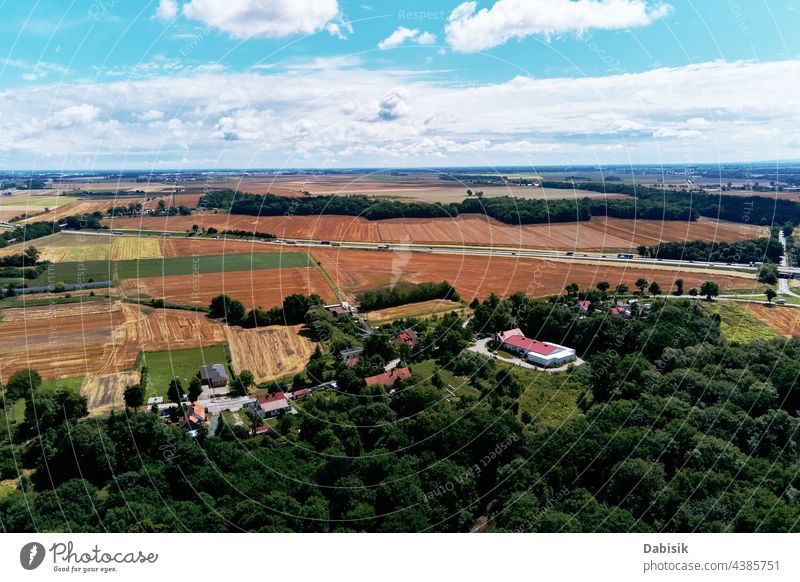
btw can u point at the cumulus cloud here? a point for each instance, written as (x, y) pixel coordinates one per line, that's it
(352, 116)
(167, 10)
(403, 35)
(268, 18)
(471, 30)
(394, 105)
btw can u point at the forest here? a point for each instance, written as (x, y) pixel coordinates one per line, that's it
(669, 427)
(745, 251)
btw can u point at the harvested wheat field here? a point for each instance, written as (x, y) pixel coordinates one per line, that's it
(97, 337)
(270, 352)
(421, 310)
(135, 247)
(261, 288)
(192, 247)
(784, 320)
(62, 247)
(595, 234)
(106, 391)
(356, 271)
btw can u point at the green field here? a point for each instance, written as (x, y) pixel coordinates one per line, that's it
(736, 324)
(184, 364)
(73, 272)
(68, 383)
(36, 201)
(210, 264)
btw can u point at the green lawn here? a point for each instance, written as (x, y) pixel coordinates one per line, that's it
(548, 398)
(210, 264)
(73, 272)
(459, 384)
(185, 364)
(69, 383)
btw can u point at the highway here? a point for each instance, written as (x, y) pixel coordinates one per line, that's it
(477, 250)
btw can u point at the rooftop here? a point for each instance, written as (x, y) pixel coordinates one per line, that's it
(535, 346)
(388, 378)
(213, 373)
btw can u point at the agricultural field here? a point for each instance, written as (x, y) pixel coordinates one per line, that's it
(210, 264)
(596, 234)
(105, 392)
(271, 352)
(76, 340)
(422, 310)
(258, 288)
(135, 248)
(738, 321)
(166, 364)
(355, 271)
(783, 320)
(63, 247)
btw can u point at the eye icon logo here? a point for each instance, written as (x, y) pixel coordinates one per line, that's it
(31, 555)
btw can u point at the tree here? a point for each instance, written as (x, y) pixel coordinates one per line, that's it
(32, 254)
(603, 286)
(709, 289)
(641, 283)
(246, 380)
(572, 289)
(134, 396)
(175, 391)
(655, 288)
(770, 293)
(621, 289)
(195, 389)
(768, 274)
(22, 383)
(642, 250)
(678, 286)
(693, 292)
(226, 308)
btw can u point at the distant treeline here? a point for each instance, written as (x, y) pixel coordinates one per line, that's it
(506, 209)
(384, 298)
(250, 233)
(746, 251)
(292, 312)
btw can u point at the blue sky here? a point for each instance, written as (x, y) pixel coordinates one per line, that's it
(295, 83)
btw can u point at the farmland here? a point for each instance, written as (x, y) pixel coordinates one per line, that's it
(356, 271)
(210, 264)
(269, 353)
(783, 320)
(104, 392)
(257, 288)
(738, 321)
(420, 310)
(596, 234)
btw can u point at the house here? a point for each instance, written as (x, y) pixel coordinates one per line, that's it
(270, 405)
(299, 393)
(351, 356)
(260, 430)
(194, 417)
(406, 337)
(540, 353)
(584, 307)
(619, 312)
(343, 308)
(214, 376)
(389, 378)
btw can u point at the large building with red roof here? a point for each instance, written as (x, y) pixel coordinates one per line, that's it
(388, 378)
(540, 353)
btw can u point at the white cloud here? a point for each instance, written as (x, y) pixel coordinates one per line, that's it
(347, 115)
(471, 30)
(268, 18)
(167, 10)
(403, 35)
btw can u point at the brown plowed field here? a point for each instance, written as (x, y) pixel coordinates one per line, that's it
(263, 288)
(357, 271)
(784, 320)
(596, 234)
(270, 352)
(187, 247)
(422, 310)
(106, 391)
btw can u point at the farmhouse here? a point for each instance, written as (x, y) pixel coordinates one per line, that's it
(619, 312)
(343, 308)
(389, 378)
(214, 376)
(270, 405)
(584, 307)
(540, 353)
(351, 356)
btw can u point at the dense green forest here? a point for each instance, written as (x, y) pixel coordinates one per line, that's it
(403, 294)
(668, 427)
(745, 251)
(34, 230)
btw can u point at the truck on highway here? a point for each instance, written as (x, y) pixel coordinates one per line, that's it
(625, 256)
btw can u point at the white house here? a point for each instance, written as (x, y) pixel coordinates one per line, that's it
(540, 353)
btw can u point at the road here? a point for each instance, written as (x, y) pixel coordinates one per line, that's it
(783, 284)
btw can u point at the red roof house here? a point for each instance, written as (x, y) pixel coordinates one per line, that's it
(388, 378)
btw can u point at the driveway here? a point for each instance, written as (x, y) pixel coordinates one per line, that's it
(481, 347)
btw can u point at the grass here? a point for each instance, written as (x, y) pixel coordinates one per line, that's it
(36, 201)
(548, 398)
(75, 272)
(38, 301)
(185, 364)
(736, 324)
(458, 384)
(73, 384)
(210, 264)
